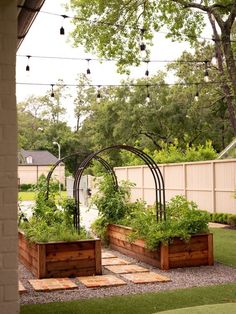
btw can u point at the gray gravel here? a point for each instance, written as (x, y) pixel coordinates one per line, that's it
(180, 278)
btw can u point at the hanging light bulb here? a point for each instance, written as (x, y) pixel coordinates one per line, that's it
(147, 71)
(62, 30)
(196, 97)
(214, 60)
(52, 91)
(148, 95)
(142, 44)
(99, 94)
(27, 68)
(88, 69)
(206, 73)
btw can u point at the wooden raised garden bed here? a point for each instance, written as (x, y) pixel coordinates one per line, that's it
(61, 259)
(197, 251)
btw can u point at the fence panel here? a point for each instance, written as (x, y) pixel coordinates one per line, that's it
(211, 184)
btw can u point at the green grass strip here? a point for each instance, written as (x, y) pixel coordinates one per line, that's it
(30, 196)
(225, 308)
(141, 303)
(224, 246)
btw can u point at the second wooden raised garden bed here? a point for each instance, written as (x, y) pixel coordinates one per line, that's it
(198, 251)
(61, 259)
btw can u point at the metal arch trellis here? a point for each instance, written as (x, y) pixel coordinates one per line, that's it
(157, 176)
(98, 158)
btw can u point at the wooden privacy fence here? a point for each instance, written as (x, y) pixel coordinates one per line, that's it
(211, 184)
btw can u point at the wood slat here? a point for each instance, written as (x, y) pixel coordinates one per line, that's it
(143, 258)
(189, 247)
(135, 248)
(70, 255)
(98, 257)
(124, 237)
(69, 246)
(188, 255)
(188, 263)
(70, 264)
(71, 273)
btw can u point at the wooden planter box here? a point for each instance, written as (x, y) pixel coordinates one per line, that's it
(197, 251)
(61, 259)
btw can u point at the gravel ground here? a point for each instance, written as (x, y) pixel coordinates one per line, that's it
(180, 278)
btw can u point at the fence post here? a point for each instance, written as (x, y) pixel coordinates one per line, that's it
(184, 180)
(213, 187)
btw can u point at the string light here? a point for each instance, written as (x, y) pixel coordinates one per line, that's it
(27, 68)
(147, 71)
(88, 69)
(98, 94)
(62, 30)
(112, 60)
(206, 74)
(196, 97)
(52, 91)
(148, 95)
(123, 85)
(107, 23)
(142, 44)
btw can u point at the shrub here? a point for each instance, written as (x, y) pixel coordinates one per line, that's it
(232, 220)
(26, 187)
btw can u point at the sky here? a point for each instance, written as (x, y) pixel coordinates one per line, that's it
(43, 39)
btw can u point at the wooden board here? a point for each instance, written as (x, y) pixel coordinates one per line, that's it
(77, 258)
(195, 252)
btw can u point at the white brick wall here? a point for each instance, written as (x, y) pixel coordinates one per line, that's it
(8, 160)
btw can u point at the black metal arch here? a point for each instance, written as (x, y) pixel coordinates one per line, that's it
(157, 176)
(98, 158)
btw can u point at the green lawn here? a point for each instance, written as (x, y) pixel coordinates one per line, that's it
(224, 308)
(225, 246)
(30, 196)
(140, 303)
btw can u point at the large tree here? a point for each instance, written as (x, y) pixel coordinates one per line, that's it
(116, 28)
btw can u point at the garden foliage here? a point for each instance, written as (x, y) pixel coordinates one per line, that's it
(50, 222)
(183, 217)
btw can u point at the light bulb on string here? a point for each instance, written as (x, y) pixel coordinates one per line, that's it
(62, 30)
(142, 45)
(148, 95)
(206, 73)
(52, 91)
(196, 97)
(27, 68)
(214, 61)
(147, 71)
(98, 94)
(88, 69)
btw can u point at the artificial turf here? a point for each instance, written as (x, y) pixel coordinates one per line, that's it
(140, 303)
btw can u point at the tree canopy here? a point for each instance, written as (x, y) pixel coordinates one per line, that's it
(118, 28)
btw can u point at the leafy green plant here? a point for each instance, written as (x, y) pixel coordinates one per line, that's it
(48, 222)
(183, 216)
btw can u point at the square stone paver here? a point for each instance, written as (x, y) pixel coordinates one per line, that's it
(114, 261)
(51, 284)
(125, 269)
(108, 255)
(101, 281)
(21, 287)
(145, 277)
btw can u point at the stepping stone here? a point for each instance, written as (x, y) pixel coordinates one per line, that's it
(114, 261)
(101, 281)
(125, 269)
(145, 277)
(108, 255)
(21, 288)
(52, 284)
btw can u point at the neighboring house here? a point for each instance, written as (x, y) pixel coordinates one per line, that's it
(33, 163)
